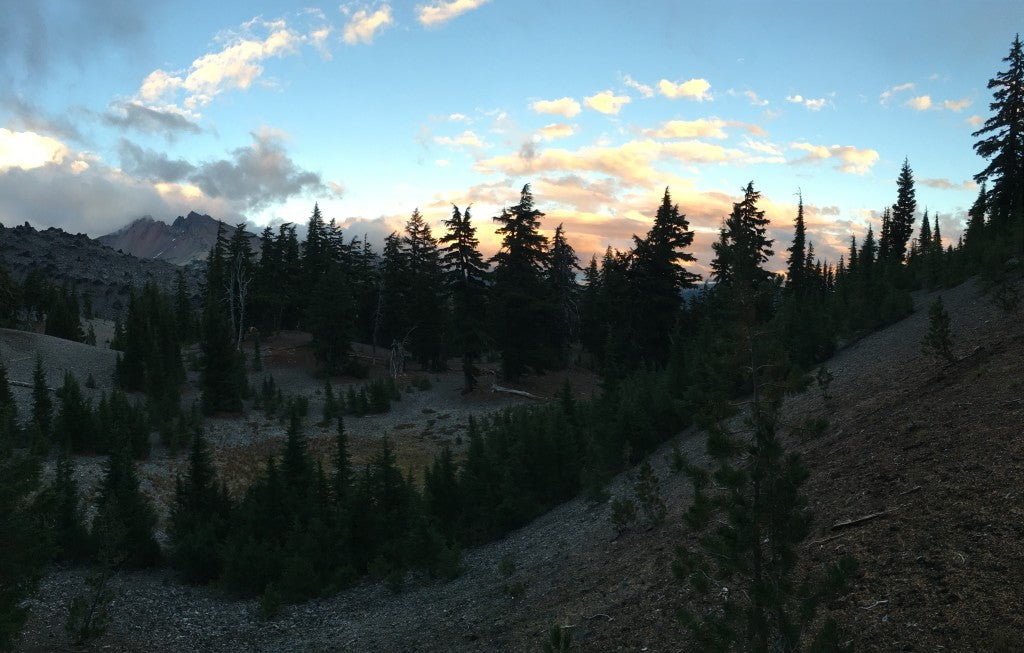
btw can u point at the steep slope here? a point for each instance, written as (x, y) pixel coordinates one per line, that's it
(189, 238)
(935, 447)
(84, 263)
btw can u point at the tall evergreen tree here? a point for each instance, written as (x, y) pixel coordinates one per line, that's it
(199, 517)
(42, 405)
(561, 277)
(902, 226)
(425, 308)
(743, 245)
(521, 302)
(331, 314)
(466, 278)
(1002, 144)
(8, 412)
(125, 513)
(795, 265)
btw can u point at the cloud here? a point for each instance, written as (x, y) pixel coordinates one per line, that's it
(28, 150)
(632, 162)
(458, 117)
(813, 104)
(606, 102)
(755, 99)
(956, 106)
(556, 131)
(946, 184)
(643, 89)
(889, 92)
(694, 89)
(467, 138)
(762, 147)
(850, 159)
(566, 106)
(442, 12)
(236, 66)
(318, 39)
(920, 103)
(259, 175)
(689, 129)
(363, 25)
(33, 118)
(133, 115)
(975, 120)
(154, 166)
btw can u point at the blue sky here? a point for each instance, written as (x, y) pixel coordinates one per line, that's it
(110, 110)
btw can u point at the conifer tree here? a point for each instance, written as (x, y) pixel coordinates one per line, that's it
(743, 246)
(795, 265)
(466, 278)
(975, 231)
(658, 276)
(75, 425)
(902, 226)
(561, 277)
(1002, 144)
(8, 413)
(937, 341)
(42, 405)
(61, 503)
(125, 513)
(425, 309)
(331, 319)
(521, 304)
(199, 517)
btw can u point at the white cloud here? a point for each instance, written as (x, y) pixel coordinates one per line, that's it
(850, 159)
(689, 129)
(606, 102)
(556, 131)
(458, 117)
(946, 184)
(28, 150)
(764, 147)
(695, 89)
(920, 103)
(813, 104)
(888, 93)
(236, 66)
(466, 138)
(755, 99)
(644, 89)
(975, 120)
(956, 106)
(363, 25)
(318, 38)
(442, 12)
(566, 106)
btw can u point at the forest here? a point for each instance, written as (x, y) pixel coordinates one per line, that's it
(672, 350)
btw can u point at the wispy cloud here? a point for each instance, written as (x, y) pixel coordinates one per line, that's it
(892, 90)
(236, 66)
(363, 26)
(850, 159)
(466, 138)
(755, 99)
(556, 131)
(702, 128)
(813, 104)
(606, 102)
(946, 184)
(566, 106)
(644, 89)
(694, 89)
(956, 106)
(975, 120)
(439, 13)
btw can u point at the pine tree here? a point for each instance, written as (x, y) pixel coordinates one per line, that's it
(521, 304)
(1002, 144)
(331, 319)
(425, 310)
(937, 341)
(199, 517)
(466, 278)
(902, 226)
(125, 514)
(75, 425)
(561, 278)
(62, 505)
(975, 231)
(743, 246)
(795, 265)
(8, 413)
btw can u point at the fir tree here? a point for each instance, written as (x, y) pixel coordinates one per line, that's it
(521, 304)
(1002, 144)
(902, 227)
(125, 516)
(62, 505)
(795, 265)
(937, 341)
(466, 278)
(743, 246)
(199, 517)
(8, 413)
(331, 319)
(425, 310)
(561, 277)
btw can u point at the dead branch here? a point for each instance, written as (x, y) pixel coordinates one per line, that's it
(860, 520)
(522, 393)
(876, 603)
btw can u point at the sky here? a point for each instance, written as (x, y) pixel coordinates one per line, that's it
(115, 109)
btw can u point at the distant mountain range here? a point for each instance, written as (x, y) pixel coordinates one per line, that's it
(187, 239)
(80, 262)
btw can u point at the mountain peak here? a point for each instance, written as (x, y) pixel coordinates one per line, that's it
(188, 238)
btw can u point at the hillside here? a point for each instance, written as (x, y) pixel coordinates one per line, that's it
(188, 239)
(934, 448)
(84, 263)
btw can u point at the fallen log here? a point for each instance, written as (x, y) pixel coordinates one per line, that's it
(512, 391)
(860, 520)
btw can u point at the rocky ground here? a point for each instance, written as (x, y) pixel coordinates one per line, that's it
(932, 450)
